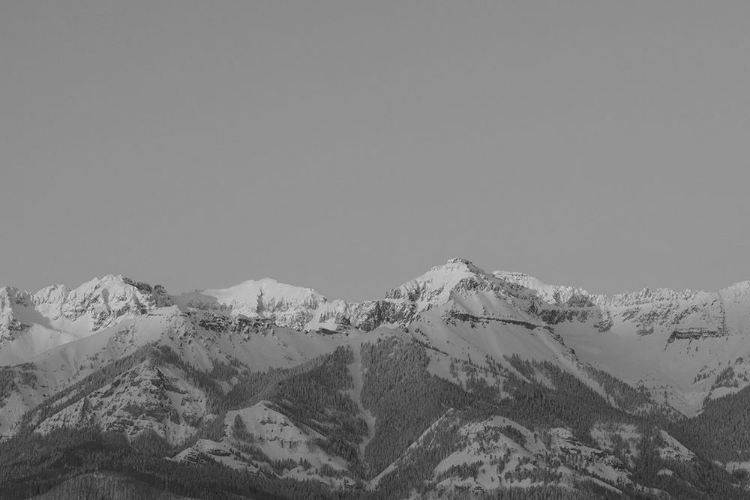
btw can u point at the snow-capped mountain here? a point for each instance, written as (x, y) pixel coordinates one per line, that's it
(674, 341)
(31, 324)
(227, 372)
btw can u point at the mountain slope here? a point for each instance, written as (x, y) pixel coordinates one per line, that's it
(458, 380)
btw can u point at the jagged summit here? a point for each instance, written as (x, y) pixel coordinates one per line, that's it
(436, 283)
(110, 282)
(458, 285)
(55, 315)
(463, 263)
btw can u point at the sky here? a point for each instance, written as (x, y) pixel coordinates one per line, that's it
(350, 146)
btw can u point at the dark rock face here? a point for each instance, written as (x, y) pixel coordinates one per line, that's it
(143, 287)
(220, 322)
(373, 314)
(16, 326)
(695, 333)
(161, 297)
(454, 316)
(194, 457)
(556, 316)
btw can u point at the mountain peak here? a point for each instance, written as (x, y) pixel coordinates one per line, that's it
(461, 263)
(435, 285)
(10, 296)
(460, 260)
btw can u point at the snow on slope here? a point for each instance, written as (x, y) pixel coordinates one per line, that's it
(499, 452)
(551, 294)
(31, 324)
(470, 315)
(192, 335)
(305, 309)
(435, 286)
(677, 344)
(280, 438)
(146, 397)
(684, 346)
(287, 305)
(270, 438)
(242, 324)
(674, 450)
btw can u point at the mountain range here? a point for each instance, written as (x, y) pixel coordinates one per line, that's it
(460, 383)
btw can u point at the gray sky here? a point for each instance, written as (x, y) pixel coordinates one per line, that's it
(350, 146)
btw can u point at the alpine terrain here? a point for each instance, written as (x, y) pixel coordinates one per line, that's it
(459, 384)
